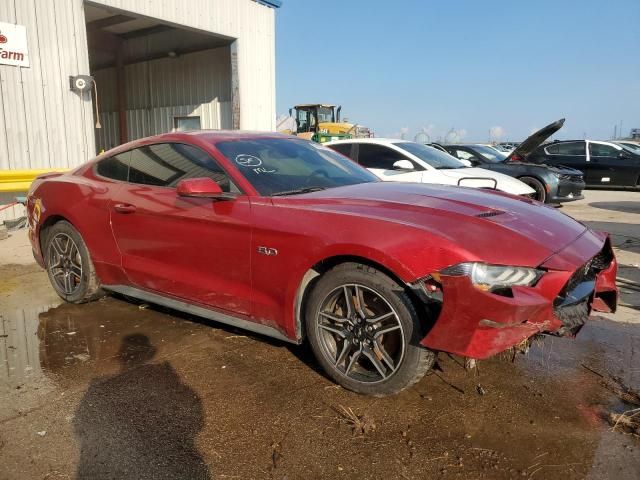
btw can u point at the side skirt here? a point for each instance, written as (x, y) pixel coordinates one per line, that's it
(198, 311)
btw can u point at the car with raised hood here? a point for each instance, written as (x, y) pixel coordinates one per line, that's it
(287, 238)
(552, 184)
(394, 160)
(604, 164)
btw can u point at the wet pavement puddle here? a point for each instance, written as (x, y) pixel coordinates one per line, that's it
(128, 392)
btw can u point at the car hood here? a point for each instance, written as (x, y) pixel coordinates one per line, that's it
(469, 177)
(534, 141)
(477, 224)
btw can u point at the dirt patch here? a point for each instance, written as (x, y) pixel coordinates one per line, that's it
(230, 405)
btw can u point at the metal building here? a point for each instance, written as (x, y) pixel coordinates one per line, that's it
(156, 65)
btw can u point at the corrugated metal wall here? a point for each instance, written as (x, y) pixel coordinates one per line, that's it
(44, 124)
(158, 90)
(251, 23)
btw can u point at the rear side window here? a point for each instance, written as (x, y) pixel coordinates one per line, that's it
(569, 148)
(165, 164)
(343, 148)
(115, 168)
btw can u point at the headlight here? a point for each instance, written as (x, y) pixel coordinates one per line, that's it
(488, 277)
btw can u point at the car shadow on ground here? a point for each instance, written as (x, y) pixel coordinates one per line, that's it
(140, 423)
(302, 352)
(624, 236)
(626, 207)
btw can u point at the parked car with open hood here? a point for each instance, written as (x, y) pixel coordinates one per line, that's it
(604, 164)
(553, 184)
(287, 238)
(394, 160)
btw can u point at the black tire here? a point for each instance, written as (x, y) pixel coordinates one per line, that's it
(83, 282)
(409, 362)
(538, 186)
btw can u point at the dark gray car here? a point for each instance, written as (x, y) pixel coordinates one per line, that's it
(553, 184)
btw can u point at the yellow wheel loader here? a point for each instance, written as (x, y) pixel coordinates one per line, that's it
(321, 123)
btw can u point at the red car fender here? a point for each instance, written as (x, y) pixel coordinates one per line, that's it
(301, 279)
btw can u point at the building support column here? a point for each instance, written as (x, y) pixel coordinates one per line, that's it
(122, 96)
(235, 87)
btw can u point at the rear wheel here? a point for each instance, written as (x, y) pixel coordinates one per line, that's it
(365, 332)
(540, 191)
(69, 264)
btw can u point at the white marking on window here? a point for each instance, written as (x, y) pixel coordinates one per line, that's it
(248, 161)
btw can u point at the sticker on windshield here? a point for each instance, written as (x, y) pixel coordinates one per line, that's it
(253, 163)
(249, 161)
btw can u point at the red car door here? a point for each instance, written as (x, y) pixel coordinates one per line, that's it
(196, 249)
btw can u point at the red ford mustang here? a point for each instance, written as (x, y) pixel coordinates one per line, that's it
(290, 239)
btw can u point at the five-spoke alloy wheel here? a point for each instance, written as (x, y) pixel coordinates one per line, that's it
(69, 264)
(365, 331)
(64, 263)
(360, 333)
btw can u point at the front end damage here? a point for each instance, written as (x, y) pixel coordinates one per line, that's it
(477, 323)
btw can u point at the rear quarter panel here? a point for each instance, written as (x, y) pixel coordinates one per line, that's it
(84, 202)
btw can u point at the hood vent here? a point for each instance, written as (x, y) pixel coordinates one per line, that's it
(490, 213)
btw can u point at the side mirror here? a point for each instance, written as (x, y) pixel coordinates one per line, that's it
(203, 187)
(403, 165)
(466, 163)
(623, 155)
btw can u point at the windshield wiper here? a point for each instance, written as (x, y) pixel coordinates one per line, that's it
(298, 190)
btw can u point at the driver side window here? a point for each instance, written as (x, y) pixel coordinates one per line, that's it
(165, 164)
(378, 156)
(600, 150)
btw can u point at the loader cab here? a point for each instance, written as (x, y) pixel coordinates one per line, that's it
(308, 117)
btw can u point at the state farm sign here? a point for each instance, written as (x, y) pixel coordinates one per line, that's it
(13, 45)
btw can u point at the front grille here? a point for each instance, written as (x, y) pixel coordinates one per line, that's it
(573, 304)
(573, 317)
(572, 178)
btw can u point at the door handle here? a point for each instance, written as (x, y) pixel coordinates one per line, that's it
(124, 208)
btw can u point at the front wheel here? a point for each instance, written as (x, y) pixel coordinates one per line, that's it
(540, 190)
(365, 332)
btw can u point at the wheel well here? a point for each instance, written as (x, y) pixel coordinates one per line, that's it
(534, 177)
(48, 223)
(315, 272)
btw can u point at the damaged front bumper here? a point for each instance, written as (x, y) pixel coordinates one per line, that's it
(478, 323)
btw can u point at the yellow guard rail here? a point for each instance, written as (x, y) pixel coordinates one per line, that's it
(20, 180)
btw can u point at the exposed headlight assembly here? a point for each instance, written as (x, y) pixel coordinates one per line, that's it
(490, 277)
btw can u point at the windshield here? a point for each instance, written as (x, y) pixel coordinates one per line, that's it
(631, 147)
(325, 114)
(490, 154)
(432, 156)
(283, 165)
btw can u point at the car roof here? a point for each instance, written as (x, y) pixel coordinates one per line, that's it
(376, 140)
(208, 136)
(603, 142)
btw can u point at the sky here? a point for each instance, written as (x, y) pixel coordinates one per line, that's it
(464, 70)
